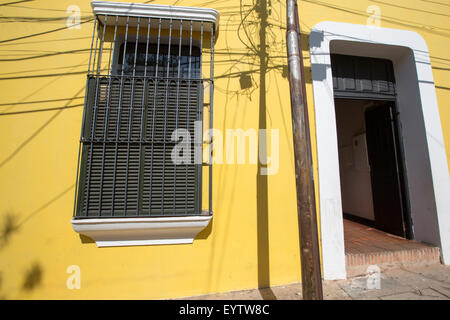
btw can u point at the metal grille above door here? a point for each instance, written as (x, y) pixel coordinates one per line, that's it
(144, 82)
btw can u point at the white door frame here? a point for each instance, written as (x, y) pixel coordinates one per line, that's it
(416, 97)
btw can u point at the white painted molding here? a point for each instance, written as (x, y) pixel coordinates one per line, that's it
(111, 232)
(101, 8)
(364, 40)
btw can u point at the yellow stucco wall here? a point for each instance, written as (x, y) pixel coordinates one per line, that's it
(43, 66)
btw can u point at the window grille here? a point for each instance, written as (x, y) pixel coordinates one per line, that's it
(145, 80)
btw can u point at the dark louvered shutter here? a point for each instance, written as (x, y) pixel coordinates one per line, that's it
(362, 77)
(169, 187)
(126, 165)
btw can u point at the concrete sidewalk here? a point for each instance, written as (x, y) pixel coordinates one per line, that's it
(405, 282)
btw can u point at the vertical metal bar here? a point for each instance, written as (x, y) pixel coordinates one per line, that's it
(111, 47)
(92, 45)
(153, 117)
(177, 109)
(87, 80)
(211, 94)
(200, 82)
(146, 47)
(94, 116)
(130, 118)
(76, 182)
(136, 46)
(95, 49)
(119, 115)
(99, 62)
(201, 50)
(306, 204)
(83, 119)
(105, 129)
(143, 122)
(82, 129)
(188, 111)
(94, 124)
(165, 115)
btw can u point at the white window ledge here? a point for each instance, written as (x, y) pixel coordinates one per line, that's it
(112, 232)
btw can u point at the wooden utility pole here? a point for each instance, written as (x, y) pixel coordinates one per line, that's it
(306, 203)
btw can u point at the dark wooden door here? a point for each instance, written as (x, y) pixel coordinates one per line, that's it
(385, 169)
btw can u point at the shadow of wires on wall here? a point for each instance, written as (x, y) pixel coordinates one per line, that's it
(257, 24)
(264, 52)
(8, 227)
(262, 11)
(33, 277)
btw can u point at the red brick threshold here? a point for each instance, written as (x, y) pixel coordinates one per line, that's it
(404, 256)
(366, 246)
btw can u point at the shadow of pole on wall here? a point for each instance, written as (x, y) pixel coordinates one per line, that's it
(262, 182)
